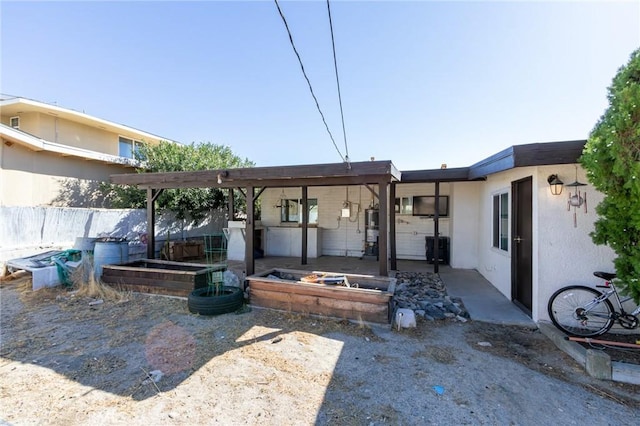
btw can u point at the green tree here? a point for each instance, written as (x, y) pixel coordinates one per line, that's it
(190, 203)
(611, 158)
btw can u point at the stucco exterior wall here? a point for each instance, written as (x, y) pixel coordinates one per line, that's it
(78, 135)
(29, 121)
(465, 225)
(36, 178)
(66, 169)
(71, 133)
(495, 264)
(562, 254)
(566, 254)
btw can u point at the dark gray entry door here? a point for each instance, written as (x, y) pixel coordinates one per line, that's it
(521, 247)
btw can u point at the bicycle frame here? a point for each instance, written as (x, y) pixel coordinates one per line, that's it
(611, 289)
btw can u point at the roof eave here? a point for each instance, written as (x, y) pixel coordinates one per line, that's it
(71, 115)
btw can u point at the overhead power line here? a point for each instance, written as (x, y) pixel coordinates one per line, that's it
(307, 78)
(335, 64)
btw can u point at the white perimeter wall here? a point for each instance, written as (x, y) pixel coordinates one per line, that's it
(29, 230)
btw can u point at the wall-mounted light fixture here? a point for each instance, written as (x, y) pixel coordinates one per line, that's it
(221, 175)
(555, 184)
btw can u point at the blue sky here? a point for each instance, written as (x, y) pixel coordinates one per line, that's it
(423, 82)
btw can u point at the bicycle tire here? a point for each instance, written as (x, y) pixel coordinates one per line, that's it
(565, 307)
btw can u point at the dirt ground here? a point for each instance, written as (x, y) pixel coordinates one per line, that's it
(70, 359)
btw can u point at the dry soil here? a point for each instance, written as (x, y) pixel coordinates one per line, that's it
(67, 360)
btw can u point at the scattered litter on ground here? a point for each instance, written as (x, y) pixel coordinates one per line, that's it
(154, 376)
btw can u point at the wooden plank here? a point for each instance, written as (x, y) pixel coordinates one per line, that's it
(367, 281)
(318, 174)
(151, 290)
(186, 250)
(134, 275)
(321, 310)
(341, 293)
(126, 267)
(171, 265)
(383, 281)
(153, 283)
(309, 301)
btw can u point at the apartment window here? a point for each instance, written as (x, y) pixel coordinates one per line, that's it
(128, 147)
(291, 211)
(501, 221)
(14, 122)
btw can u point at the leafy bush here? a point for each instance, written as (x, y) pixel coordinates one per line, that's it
(611, 158)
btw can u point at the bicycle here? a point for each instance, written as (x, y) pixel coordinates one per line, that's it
(584, 311)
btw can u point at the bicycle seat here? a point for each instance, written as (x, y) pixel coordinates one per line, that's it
(604, 275)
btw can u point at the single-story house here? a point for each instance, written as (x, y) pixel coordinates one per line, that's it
(521, 217)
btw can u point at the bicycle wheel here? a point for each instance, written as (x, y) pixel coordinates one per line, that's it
(572, 310)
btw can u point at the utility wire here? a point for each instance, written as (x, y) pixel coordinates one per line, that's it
(335, 64)
(307, 78)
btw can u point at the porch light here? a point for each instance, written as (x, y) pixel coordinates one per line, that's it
(555, 184)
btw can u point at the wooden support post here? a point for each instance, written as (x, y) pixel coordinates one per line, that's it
(383, 228)
(392, 226)
(250, 232)
(305, 225)
(436, 230)
(152, 195)
(231, 205)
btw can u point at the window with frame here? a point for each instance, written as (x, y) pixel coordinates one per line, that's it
(14, 122)
(291, 210)
(404, 205)
(127, 147)
(501, 221)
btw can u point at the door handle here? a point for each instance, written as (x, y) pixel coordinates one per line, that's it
(517, 239)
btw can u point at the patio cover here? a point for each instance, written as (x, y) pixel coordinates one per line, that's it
(252, 181)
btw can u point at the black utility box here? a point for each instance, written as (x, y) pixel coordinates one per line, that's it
(443, 250)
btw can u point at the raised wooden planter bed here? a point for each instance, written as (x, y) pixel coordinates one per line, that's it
(186, 250)
(284, 289)
(159, 276)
